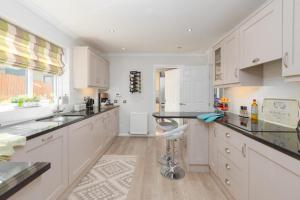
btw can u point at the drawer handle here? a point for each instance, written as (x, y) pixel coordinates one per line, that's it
(244, 150)
(255, 60)
(227, 166)
(285, 60)
(47, 139)
(50, 137)
(227, 150)
(228, 135)
(215, 132)
(227, 181)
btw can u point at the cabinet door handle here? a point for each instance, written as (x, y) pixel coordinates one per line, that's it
(227, 135)
(256, 60)
(215, 132)
(236, 72)
(227, 150)
(285, 60)
(227, 166)
(227, 181)
(244, 150)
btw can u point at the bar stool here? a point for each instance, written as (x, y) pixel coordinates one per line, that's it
(166, 125)
(172, 170)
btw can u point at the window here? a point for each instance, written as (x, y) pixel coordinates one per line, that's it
(19, 85)
(13, 82)
(43, 85)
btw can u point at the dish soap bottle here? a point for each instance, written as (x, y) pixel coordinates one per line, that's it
(254, 110)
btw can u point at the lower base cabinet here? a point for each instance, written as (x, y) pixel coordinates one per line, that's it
(69, 150)
(196, 143)
(249, 170)
(270, 180)
(51, 148)
(80, 148)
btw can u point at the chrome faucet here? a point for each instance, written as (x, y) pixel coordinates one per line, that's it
(57, 108)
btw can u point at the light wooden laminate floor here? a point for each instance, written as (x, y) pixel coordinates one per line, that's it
(148, 184)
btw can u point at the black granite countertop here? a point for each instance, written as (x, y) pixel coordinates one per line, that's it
(283, 139)
(188, 115)
(35, 128)
(16, 175)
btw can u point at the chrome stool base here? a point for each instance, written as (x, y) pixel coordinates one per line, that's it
(164, 160)
(172, 173)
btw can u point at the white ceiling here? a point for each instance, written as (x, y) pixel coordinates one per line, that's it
(145, 26)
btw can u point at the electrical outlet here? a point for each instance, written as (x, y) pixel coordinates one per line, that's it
(115, 101)
(124, 101)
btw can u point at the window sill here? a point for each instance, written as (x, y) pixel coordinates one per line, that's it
(14, 106)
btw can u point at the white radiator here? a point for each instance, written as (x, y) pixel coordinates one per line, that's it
(138, 123)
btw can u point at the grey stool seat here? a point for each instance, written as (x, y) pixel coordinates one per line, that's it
(166, 124)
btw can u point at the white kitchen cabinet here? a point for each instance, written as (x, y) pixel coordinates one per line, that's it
(230, 65)
(90, 70)
(291, 39)
(115, 122)
(52, 148)
(250, 170)
(213, 149)
(231, 58)
(270, 179)
(218, 65)
(98, 133)
(232, 161)
(196, 145)
(103, 73)
(81, 147)
(261, 36)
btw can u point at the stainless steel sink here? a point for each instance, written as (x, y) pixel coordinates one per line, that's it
(61, 118)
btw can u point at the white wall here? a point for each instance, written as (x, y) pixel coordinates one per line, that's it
(16, 13)
(120, 65)
(274, 87)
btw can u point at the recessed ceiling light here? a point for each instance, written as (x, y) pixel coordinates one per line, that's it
(112, 30)
(189, 30)
(123, 48)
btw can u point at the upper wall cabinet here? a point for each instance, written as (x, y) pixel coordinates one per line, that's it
(231, 58)
(291, 39)
(218, 65)
(261, 36)
(90, 70)
(227, 65)
(226, 60)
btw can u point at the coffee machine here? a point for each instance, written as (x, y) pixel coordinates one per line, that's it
(102, 98)
(89, 103)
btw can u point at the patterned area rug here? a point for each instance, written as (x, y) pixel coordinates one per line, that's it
(109, 179)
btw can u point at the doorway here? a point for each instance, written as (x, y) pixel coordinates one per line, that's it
(182, 89)
(167, 92)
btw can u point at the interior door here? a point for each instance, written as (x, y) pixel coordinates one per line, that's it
(194, 89)
(172, 90)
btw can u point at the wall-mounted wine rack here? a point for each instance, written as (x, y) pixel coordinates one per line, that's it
(135, 82)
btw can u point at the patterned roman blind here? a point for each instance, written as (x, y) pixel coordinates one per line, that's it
(22, 49)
